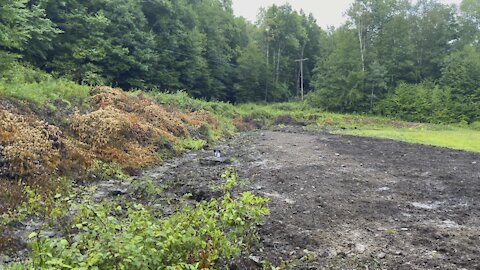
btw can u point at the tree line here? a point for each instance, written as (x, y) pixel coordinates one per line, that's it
(417, 61)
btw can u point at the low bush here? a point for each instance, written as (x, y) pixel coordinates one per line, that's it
(475, 125)
(207, 235)
(191, 144)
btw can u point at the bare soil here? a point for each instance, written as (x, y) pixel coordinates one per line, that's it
(342, 202)
(345, 202)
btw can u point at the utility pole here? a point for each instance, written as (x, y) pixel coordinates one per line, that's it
(301, 74)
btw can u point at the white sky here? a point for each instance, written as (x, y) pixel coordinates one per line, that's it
(327, 12)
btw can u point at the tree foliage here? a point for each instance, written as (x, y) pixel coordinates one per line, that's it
(201, 47)
(388, 54)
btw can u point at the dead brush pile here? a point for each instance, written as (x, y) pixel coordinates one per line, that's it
(33, 152)
(129, 130)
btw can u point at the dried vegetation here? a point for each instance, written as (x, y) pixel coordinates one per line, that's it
(128, 130)
(32, 152)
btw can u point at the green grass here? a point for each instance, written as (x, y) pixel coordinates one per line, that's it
(40, 88)
(456, 138)
(191, 144)
(45, 91)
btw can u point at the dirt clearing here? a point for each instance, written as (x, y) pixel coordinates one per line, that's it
(336, 201)
(344, 202)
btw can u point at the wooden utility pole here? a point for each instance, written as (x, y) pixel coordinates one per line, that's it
(301, 74)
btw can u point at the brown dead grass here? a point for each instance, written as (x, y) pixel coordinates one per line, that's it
(246, 124)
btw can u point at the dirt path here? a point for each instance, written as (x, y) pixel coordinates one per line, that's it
(344, 202)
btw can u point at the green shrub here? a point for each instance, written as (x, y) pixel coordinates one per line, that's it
(191, 144)
(475, 125)
(35, 86)
(206, 132)
(427, 102)
(108, 170)
(181, 100)
(208, 234)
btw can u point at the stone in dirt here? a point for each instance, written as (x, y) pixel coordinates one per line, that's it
(110, 188)
(360, 248)
(255, 259)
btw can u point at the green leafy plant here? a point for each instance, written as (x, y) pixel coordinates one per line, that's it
(191, 144)
(110, 236)
(108, 170)
(146, 188)
(40, 88)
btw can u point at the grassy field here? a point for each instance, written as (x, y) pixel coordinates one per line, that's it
(456, 138)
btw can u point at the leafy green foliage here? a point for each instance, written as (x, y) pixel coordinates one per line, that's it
(197, 237)
(22, 22)
(191, 144)
(428, 103)
(387, 43)
(339, 80)
(108, 170)
(52, 207)
(45, 91)
(25, 83)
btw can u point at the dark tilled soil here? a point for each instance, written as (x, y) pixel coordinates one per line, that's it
(345, 202)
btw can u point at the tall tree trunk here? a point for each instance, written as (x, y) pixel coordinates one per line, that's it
(266, 75)
(298, 82)
(274, 68)
(278, 65)
(301, 77)
(362, 45)
(371, 100)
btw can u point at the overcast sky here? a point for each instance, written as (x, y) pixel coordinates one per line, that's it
(327, 12)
